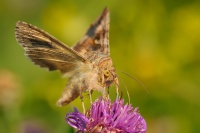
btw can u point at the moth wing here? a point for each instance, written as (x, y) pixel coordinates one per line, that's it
(97, 36)
(45, 50)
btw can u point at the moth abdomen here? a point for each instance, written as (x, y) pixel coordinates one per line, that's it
(71, 92)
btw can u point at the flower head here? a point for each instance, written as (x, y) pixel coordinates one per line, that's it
(105, 116)
(77, 120)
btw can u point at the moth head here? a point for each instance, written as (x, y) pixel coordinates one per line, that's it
(108, 74)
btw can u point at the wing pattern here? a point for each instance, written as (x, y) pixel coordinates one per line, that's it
(97, 36)
(45, 50)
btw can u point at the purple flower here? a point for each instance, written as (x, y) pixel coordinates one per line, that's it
(77, 120)
(105, 116)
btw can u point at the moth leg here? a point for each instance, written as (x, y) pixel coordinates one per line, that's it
(108, 93)
(90, 94)
(117, 91)
(119, 96)
(82, 102)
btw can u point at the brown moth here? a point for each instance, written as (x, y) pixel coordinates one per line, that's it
(87, 64)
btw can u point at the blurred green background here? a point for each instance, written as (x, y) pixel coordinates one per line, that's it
(157, 42)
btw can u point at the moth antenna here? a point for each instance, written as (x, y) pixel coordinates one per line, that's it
(82, 102)
(127, 92)
(136, 81)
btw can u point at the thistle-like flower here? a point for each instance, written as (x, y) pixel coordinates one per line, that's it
(107, 117)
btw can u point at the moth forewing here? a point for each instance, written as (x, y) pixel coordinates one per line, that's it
(45, 50)
(97, 36)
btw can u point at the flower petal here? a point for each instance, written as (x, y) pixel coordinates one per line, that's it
(77, 120)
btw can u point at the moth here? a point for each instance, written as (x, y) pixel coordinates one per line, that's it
(87, 64)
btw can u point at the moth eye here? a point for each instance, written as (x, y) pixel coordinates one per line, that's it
(106, 73)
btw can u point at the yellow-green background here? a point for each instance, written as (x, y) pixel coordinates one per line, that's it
(156, 41)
